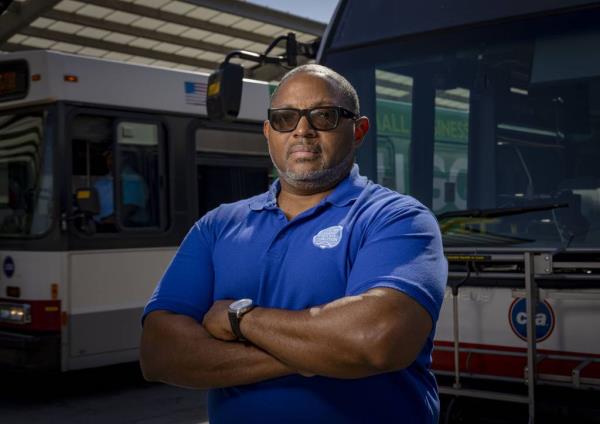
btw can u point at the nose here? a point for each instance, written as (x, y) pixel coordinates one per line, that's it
(304, 129)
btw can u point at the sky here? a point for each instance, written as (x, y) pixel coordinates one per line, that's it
(318, 10)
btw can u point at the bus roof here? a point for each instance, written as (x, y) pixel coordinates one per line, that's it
(400, 18)
(117, 84)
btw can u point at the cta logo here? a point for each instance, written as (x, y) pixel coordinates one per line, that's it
(544, 319)
(8, 266)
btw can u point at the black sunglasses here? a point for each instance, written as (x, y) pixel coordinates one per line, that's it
(322, 118)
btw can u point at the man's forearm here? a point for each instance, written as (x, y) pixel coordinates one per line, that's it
(358, 336)
(177, 350)
(327, 340)
(275, 331)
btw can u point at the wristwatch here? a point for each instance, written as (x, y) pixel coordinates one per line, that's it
(235, 311)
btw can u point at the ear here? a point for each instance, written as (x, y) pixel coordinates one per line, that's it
(361, 128)
(266, 129)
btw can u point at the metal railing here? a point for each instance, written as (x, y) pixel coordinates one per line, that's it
(535, 265)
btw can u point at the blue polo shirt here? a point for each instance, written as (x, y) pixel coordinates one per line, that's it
(359, 237)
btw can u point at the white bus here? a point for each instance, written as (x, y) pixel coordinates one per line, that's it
(133, 139)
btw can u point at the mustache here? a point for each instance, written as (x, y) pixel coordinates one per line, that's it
(303, 146)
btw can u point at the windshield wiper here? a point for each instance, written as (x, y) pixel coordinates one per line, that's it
(497, 212)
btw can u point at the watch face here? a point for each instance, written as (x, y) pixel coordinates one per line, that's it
(240, 304)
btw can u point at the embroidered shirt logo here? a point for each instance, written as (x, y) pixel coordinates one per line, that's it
(329, 237)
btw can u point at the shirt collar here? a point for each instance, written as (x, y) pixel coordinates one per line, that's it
(344, 193)
(348, 189)
(267, 200)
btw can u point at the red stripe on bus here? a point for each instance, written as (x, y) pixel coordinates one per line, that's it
(500, 364)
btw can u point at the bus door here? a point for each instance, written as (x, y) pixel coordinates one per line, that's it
(117, 248)
(231, 165)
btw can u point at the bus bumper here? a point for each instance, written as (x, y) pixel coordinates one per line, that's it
(29, 351)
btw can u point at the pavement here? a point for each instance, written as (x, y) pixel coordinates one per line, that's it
(116, 394)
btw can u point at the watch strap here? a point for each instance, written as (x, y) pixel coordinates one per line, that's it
(235, 326)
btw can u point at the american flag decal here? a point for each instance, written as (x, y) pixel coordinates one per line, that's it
(195, 93)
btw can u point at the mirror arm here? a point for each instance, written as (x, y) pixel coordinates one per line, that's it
(293, 50)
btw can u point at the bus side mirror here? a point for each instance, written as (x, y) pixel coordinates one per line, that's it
(87, 200)
(224, 93)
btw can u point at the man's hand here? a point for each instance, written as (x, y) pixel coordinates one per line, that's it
(216, 321)
(176, 349)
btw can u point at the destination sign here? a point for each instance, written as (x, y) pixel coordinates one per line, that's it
(13, 80)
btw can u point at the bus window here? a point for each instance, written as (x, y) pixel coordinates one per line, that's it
(231, 165)
(226, 184)
(123, 169)
(509, 123)
(25, 175)
(394, 107)
(139, 172)
(450, 155)
(92, 167)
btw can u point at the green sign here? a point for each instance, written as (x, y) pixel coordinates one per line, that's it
(450, 152)
(394, 119)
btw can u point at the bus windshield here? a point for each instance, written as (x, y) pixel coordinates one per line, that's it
(25, 175)
(490, 121)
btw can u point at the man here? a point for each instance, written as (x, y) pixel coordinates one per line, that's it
(346, 279)
(133, 194)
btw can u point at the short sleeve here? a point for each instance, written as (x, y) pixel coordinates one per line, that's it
(187, 284)
(403, 250)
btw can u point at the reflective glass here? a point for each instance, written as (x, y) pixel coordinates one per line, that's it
(393, 116)
(139, 174)
(26, 188)
(492, 118)
(122, 162)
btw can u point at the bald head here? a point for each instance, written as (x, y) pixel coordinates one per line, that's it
(338, 83)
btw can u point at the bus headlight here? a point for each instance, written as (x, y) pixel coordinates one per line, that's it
(15, 313)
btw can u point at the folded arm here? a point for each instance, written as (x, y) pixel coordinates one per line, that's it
(379, 331)
(177, 350)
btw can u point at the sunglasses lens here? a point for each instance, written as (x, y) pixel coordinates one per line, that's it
(320, 118)
(324, 118)
(284, 119)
